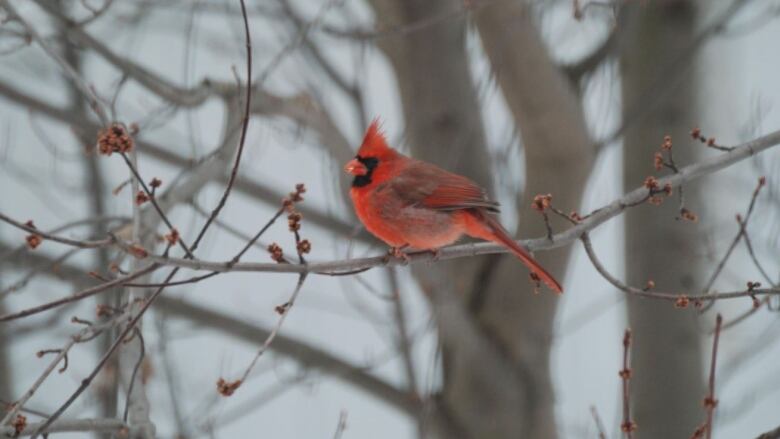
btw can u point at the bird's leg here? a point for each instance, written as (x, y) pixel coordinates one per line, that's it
(436, 252)
(398, 253)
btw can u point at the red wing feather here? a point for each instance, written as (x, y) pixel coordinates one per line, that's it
(429, 186)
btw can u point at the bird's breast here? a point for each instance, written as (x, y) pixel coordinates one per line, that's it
(397, 223)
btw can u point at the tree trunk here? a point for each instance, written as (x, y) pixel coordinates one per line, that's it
(495, 334)
(558, 160)
(667, 384)
(6, 374)
(444, 126)
(94, 182)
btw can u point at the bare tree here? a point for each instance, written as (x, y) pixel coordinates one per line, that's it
(667, 350)
(165, 199)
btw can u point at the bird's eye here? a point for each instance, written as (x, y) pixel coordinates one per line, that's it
(362, 168)
(369, 162)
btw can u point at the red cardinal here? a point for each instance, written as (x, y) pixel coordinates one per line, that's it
(408, 203)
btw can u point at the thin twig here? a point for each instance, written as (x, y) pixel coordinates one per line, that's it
(752, 253)
(7, 405)
(21, 283)
(597, 420)
(135, 183)
(742, 317)
(257, 236)
(104, 359)
(257, 402)
(160, 86)
(740, 234)
(710, 402)
(227, 388)
(284, 311)
(52, 237)
(669, 75)
(87, 333)
(135, 397)
(175, 283)
(295, 43)
(78, 82)
(148, 302)
(235, 231)
(341, 426)
(134, 376)
(244, 127)
(681, 300)
(404, 341)
(627, 426)
(69, 225)
(70, 426)
(97, 107)
(88, 292)
(125, 281)
(137, 180)
(309, 356)
(170, 374)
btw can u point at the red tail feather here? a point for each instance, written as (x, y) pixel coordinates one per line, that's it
(499, 235)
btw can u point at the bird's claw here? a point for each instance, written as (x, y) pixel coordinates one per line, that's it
(436, 252)
(398, 253)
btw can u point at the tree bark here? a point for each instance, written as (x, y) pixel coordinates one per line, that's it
(558, 160)
(667, 383)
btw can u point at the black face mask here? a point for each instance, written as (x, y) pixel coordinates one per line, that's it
(370, 163)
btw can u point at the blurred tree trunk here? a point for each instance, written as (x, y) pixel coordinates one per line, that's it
(667, 384)
(6, 375)
(96, 188)
(559, 156)
(444, 126)
(496, 336)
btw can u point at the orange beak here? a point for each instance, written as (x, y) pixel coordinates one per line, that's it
(355, 167)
